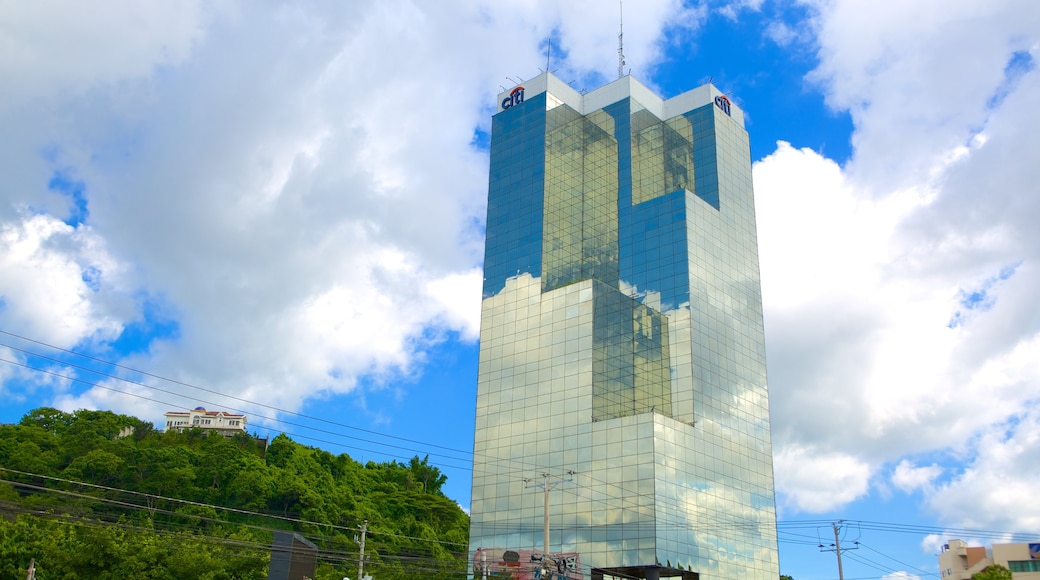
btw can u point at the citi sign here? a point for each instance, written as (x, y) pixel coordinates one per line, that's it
(722, 102)
(516, 96)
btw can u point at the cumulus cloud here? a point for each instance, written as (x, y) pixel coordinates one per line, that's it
(54, 48)
(933, 543)
(916, 91)
(814, 480)
(49, 275)
(897, 287)
(297, 191)
(1003, 468)
(909, 477)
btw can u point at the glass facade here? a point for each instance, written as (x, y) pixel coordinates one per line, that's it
(622, 346)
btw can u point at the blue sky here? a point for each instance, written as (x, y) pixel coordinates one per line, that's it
(281, 212)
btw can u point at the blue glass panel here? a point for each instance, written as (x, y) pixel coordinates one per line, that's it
(705, 164)
(649, 259)
(515, 194)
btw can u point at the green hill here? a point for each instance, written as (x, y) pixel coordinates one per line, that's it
(86, 502)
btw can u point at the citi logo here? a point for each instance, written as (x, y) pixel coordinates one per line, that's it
(722, 102)
(516, 96)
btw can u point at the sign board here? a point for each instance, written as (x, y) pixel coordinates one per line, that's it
(516, 96)
(722, 102)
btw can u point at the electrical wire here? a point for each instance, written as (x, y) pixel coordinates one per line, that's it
(489, 460)
(191, 386)
(908, 566)
(627, 500)
(192, 503)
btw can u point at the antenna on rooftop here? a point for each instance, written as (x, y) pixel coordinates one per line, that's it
(548, 53)
(620, 40)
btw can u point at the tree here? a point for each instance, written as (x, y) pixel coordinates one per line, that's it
(429, 477)
(993, 572)
(52, 420)
(178, 530)
(97, 466)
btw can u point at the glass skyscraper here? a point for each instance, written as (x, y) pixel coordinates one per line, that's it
(622, 359)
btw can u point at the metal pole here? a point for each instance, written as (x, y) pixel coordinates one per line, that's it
(361, 557)
(837, 550)
(545, 508)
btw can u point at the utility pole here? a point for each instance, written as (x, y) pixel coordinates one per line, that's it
(32, 569)
(361, 557)
(545, 514)
(837, 550)
(546, 485)
(837, 546)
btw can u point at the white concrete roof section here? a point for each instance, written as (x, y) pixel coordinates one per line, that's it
(560, 92)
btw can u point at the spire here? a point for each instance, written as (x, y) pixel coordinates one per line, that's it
(620, 40)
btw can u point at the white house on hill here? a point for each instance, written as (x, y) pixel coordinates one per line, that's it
(228, 424)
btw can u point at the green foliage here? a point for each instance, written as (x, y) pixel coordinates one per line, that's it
(83, 549)
(174, 525)
(992, 572)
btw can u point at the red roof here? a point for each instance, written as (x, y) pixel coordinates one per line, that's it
(207, 413)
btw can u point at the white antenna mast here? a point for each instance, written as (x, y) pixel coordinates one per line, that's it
(620, 40)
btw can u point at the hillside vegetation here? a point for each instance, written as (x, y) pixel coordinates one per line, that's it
(87, 503)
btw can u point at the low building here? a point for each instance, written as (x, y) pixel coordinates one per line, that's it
(228, 424)
(959, 561)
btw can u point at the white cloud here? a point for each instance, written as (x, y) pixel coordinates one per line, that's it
(916, 90)
(990, 491)
(50, 274)
(815, 481)
(933, 543)
(295, 188)
(51, 48)
(459, 296)
(781, 33)
(899, 288)
(909, 477)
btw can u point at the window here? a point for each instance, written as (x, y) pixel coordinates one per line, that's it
(1024, 565)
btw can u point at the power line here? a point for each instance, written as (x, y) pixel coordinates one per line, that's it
(256, 548)
(186, 502)
(203, 389)
(524, 466)
(139, 396)
(629, 499)
(626, 498)
(925, 572)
